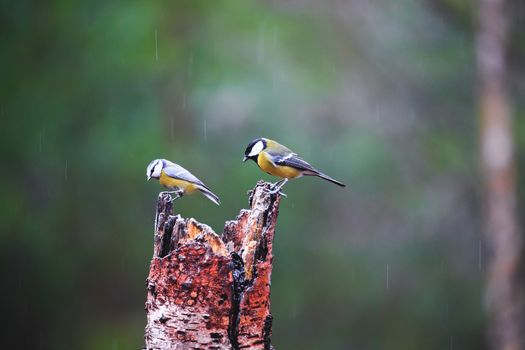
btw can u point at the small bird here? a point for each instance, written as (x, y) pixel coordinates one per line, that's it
(179, 180)
(277, 160)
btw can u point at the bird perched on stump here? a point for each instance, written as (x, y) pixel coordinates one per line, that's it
(277, 160)
(179, 180)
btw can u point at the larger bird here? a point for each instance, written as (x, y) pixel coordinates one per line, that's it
(277, 160)
(179, 180)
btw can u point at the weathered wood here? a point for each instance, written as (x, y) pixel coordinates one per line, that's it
(205, 292)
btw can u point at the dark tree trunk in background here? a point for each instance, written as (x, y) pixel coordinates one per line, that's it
(205, 292)
(504, 296)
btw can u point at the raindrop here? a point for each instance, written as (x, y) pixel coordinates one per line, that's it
(479, 255)
(377, 113)
(190, 65)
(172, 129)
(205, 131)
(387, 276)
(156, 47)
(41, 135)
(274, 37)
(65, 171)
(260, 44)
(184, 100)
(451, 342)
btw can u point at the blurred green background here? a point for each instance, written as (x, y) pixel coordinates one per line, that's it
(378, 94)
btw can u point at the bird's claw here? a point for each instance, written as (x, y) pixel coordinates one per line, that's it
(274, 191)
(177, 194)
(276, 188)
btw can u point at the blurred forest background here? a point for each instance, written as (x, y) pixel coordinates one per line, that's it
(381, 95)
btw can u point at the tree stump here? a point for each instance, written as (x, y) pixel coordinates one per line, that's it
(208, 292)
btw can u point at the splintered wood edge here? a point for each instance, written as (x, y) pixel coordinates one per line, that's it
(199, 232)
(195, 231)
(262, 206)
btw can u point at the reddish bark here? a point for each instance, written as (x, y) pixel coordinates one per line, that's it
(205, 292)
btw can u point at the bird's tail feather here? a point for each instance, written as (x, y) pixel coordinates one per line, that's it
(332, 180)
(210, 195)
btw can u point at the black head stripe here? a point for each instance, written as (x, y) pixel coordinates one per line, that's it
(155, 165)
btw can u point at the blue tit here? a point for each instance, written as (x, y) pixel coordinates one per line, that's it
(277, 160)
(179, 180)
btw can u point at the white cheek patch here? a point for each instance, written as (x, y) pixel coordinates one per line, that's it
(256, 149)
(150, 167)
(157, 169)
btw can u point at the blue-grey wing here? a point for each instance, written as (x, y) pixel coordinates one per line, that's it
(177, 172)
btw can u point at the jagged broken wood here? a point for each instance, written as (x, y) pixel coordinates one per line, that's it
(208, 292)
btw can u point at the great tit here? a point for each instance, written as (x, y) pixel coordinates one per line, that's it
(179, 180)
(277, 160)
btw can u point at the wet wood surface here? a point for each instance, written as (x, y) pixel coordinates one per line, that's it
(211, 292)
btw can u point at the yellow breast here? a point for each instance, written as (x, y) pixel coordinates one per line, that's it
(282, 171)
(176, 184)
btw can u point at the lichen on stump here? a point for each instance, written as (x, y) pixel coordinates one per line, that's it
(208, 292)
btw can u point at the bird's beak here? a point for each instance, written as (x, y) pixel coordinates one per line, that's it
(148, 177)
(244, 159)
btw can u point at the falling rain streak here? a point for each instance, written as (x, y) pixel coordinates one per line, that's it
(274, 45)
(65, 171)
(387, 276)
(156, 47)
(190, 66)
(260, 44)
(274, 38)
(479, 255)
(41, 135)
(205, 132)
(172, 128)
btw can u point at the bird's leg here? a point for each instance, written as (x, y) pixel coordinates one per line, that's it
(276, 187)
(278, 183)
(168, 192)
(178, 194)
